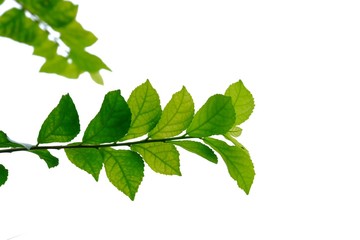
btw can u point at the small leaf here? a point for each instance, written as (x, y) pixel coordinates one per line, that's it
(235, 131)
(216, 116)
(45, 155)
(4, 173)
(197, 148)
(125, 170)
(238, 162)
(242, 100)
(112, 121)
(62, 124)
(161, 157)
(87, 159)
(96, 77)
(144, 104)
(6, 143)
(176, 116)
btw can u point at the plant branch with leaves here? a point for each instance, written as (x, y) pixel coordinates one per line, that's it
(51, 28)
(126, 134)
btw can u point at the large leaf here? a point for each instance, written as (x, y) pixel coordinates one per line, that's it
(112, 121)
(238, 162)
(62, 124)
(197, 148)
(242, 100)
(144, 104)
(125, 170)
(3, 174)
(6, 143)
(216, 116)
(161, 157)
(176, 116)
(87, 159)
(45, 155)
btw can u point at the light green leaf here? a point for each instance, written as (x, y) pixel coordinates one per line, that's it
(238, 162)
(197, 148)
(96, 77)
(144, 104)
(242, 100)
(62, 124)
(3, 175)
(161, 157)
(45, 155)
(87, 159)
(216, 116)
(62, 66)
(235, 131)
(125, 170)
(6, 143)
(112, 121)
(176, 116)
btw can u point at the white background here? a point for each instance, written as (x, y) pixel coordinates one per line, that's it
(301, 61)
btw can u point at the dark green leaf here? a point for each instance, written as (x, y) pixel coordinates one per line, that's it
(125, 170)
(87, 159)
(144, 104)
(161, 157)
(112, 121)
(45, 155)
(176, 116)
(242, 100)
(197, 148)
(216, 116)
(6, 143)
(62, 124)
(3, 175)
(238, 162)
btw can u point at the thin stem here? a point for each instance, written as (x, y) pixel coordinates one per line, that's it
(82, 145)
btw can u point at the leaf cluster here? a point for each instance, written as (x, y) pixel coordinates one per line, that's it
(51, 28)
(124, 135)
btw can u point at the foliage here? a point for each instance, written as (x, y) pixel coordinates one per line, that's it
(51, 28)
(150, 134)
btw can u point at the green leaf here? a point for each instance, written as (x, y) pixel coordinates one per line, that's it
(1, 1)
(62, 66)
(62, 124)
(242, 100)
(197, 148)
(45, 155)
(15, 25)
(96, 77)
(87, 159)
(112, 121)
(56, 13)
(6, 143)
(36, 22)
(4, 173)
(144, 104)
(216, 116)
(176, 116)
(125, 170)
(238, 162)
(235, 131)
(161, 157)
